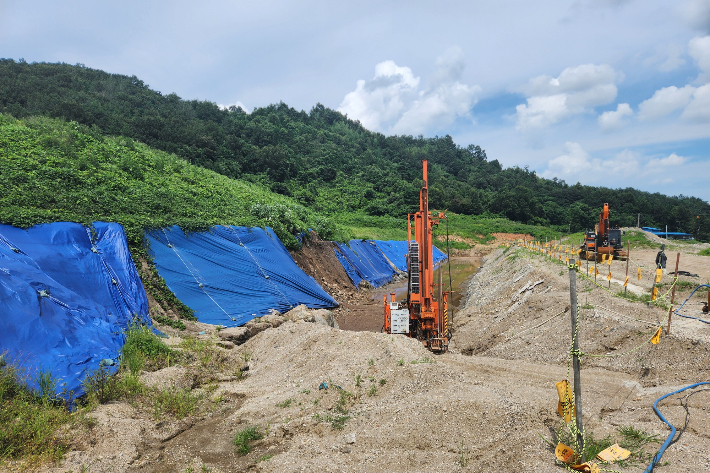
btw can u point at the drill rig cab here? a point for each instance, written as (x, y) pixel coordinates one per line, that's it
(421, 316)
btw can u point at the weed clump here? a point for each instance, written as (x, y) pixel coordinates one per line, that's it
(29, 420)
(244, 438)
(179, 403)
(144, 350)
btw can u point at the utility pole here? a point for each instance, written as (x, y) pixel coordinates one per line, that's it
(575, 356)
(638, 221)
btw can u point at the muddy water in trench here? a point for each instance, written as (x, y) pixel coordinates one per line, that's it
(454, 276)
(369, 316)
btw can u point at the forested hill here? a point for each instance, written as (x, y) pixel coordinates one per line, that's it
(323, 159)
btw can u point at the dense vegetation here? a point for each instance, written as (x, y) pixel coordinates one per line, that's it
(322, 159)
(54, 170)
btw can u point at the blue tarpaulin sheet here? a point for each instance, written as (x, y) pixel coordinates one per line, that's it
(351, 271)
(230, 275)
(66, 293)
(368, 262)
(370, 259)
(395, 251)
(438, 255)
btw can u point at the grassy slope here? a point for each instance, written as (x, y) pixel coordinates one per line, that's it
(58, 171)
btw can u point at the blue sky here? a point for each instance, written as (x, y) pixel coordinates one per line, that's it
(604, 92)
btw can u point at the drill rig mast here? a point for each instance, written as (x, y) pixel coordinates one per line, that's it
(421, 316)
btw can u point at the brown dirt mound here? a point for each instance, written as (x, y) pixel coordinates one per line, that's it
(317, 259)
(512, 236)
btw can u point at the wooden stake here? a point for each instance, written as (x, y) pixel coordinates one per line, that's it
(575, 356)
(628, 256)
(670, 311)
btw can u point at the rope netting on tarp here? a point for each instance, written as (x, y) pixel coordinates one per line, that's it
(365, 261)
(376, 261)
(396, 251)
(67, 292)
(230, 275)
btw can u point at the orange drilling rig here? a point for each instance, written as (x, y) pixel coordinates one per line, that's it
(421, 316)
(604, 240)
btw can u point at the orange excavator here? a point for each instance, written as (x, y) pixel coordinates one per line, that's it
(604, 240)
(421, 316)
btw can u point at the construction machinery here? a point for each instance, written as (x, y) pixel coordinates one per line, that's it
(421, 316)
(604, 240)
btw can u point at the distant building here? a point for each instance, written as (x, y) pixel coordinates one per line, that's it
(668, 235)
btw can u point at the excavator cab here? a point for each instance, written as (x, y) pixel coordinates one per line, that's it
(615, 238)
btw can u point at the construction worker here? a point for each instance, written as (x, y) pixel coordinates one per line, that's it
(661, 258)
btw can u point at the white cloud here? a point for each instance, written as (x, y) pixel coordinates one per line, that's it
(572, 164)
(694, 100)
(663, 164)
(576, 90)
(237, 104)
(698, 109)
(381, 99)
(613, 120)
(438, 108)
(623, 164)
(673, 62)
(576, 165)
(541, 111)
(665, 101)
(393, 101)
(668, 57)
(699, 50)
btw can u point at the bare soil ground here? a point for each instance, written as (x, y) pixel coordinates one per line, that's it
(391, 406)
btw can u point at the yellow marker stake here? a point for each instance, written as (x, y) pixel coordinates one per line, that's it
(659, 274)
(565, 406)
(654, 293)
(626, 283)
(611, 257)
(657, 337)
(565, 454)
(639, 273)
(567, 259)
(603, 258)
(608, 276)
